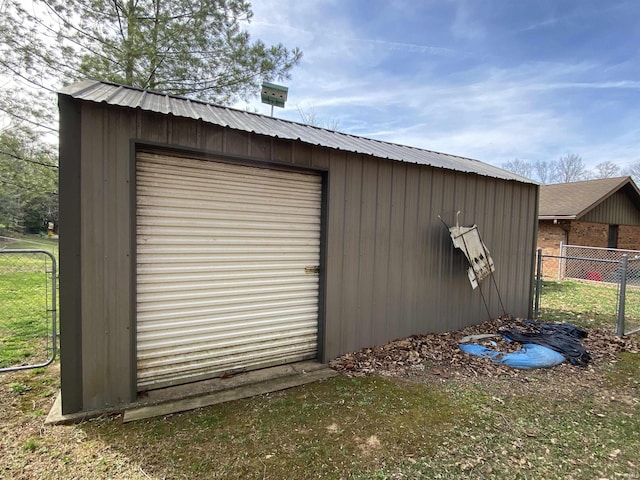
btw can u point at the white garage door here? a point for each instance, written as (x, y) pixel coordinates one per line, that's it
(227, 268)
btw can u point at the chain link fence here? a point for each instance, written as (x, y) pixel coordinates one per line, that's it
(586, 263)
(28, 308)
(600, 286)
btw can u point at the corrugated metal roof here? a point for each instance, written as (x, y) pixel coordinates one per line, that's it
(573, 200)
(113, 94)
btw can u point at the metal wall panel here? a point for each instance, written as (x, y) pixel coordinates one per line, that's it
(71, 291)
(391, 268)
(225, 268)
(104, 256)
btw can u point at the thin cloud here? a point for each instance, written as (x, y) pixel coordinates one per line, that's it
(537, 25)
(408, 47)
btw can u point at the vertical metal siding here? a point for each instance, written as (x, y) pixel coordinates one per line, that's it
(351, 257)
(615, 210)
(394, 269)
(223, 281)
(336, 198)
(380, 275)
(96, 240)
(94, 248)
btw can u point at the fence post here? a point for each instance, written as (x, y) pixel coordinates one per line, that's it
(621, 297)
(54, 308)
(560, 260)
(536, 310)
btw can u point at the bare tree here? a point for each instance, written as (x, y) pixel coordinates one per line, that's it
(521, 167)
(309, 116)
(544, 170)
(633, 171)
(570, 168)
(607, 170)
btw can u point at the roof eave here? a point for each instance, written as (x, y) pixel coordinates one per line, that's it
(556, 217)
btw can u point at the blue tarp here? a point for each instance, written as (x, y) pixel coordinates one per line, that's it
(544, 344)
(529, 356)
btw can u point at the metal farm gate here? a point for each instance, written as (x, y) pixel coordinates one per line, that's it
(615, 270)
(28, 323)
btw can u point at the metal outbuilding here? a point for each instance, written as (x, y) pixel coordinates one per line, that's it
(199, 240)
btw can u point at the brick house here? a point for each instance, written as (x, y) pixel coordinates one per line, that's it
(597, 213)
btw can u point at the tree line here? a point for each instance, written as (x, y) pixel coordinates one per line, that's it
(193, 48)
(570, 168)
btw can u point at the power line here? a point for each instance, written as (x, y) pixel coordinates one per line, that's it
(13, 184)
(37, 124)
(9, 154)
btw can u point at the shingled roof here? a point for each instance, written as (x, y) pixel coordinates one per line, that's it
(129, 97)
(570, 201)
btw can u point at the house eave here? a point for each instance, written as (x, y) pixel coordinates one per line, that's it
(557, 217)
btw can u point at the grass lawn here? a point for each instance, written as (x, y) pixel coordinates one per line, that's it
(528, 426)
(588, 305)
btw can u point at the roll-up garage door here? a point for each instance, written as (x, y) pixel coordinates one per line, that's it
(227, 268)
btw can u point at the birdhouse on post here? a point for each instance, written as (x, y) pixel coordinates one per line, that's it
(274, 95)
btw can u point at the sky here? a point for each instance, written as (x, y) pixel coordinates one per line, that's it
(492, 80)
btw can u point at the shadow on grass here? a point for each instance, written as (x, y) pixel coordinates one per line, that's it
(580, 319)
(557, 287)
(323, 430)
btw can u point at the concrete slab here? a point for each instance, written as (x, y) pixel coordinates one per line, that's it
(204, 393)
(55, 416)
(222, 396)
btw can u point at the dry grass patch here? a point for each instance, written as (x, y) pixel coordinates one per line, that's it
(31, 450)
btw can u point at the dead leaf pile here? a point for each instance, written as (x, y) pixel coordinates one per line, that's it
(437, 354)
